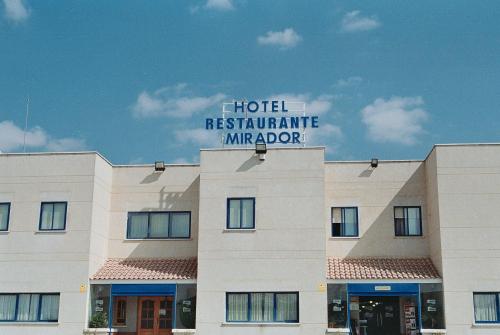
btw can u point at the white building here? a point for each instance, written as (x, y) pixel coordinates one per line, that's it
(292, 244)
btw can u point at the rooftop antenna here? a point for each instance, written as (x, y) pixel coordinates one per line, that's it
(26, 122)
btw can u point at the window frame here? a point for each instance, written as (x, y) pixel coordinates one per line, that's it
(241, 214)
(8, 216)
(406, 218)
(497, 302)
(342, 216)
(249, 310)
(116, 301)
(52, 225)
(129, 214)
(39, 312)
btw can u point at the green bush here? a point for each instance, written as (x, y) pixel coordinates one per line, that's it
(99, 320)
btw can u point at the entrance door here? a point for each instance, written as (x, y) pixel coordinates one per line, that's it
(155, 316)
(379, 315)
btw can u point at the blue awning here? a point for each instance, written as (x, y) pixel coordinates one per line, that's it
(142, 289)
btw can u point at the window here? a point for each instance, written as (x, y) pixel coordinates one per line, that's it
(408, 221)
(53, 216)
(262, 307)
(4, 216)
(120, 311)
(345, 221)
(240, 213)
(487, 307)
(157, 225)
(337, 305)
(29, 307)
(431, 297)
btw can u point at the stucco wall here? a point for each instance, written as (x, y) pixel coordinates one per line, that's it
(286, 252)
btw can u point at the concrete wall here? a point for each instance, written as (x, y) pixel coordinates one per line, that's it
(469, 196)
(375, 192)
(286, 252)
(33, 261)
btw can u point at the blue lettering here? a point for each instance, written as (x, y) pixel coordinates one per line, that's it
(209, 124)
(283, 123)
(283, 109)
(271, 138)
(240, 122)
(237, 106)
(294, 122)
(249, 123)
(261, 122)
(248, 138)
(314, 122)
(260, 138)
(230, 123)
(220, 123)
(295, 137)
(264, 103)
(272, 123)
(284, 137)
(274, 105)
(232, 138)
(304, 120)
(253, 106)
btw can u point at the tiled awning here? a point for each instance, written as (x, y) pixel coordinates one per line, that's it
(381, 268)
(147, 269)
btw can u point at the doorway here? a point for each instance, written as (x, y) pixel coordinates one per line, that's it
(155, 315)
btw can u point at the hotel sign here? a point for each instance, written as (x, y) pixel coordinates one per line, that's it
(268, 121)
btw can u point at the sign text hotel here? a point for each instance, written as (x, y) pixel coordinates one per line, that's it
(266, 121)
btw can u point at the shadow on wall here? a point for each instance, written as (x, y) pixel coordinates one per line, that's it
(378, 240)
(249, 163)
(172, 201)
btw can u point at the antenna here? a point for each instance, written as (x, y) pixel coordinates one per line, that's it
(26, 121)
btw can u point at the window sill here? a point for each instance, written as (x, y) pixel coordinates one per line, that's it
(409, 237)
(4, 232)
(486, 325)
(260, 324)
(156, 239)
(344, 238)
(51, 232)
(338, 331)
(253, 230)
(28, 323)
(433, 331)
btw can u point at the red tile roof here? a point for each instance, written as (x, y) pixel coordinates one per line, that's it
(381, 268)
(147, 269)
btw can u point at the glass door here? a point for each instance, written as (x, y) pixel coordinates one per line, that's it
(155, 316)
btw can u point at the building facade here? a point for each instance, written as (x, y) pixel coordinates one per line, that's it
(289, 244)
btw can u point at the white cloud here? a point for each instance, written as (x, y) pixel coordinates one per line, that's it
(12, 139)
(355, 22)
(397, 120)
(285, 39)
(16, 10)
(314, 105)
(173, 101)
(348, 82)
(198, 136)
(219, 5)
(327, 134)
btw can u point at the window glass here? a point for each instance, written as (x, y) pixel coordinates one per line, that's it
(237, 309)
(286, 307)
(247, 213)
(413, 221)
(234, 214)
(4, 217)
(186, 306)
(120, 311)
(262, 307)
(432, 306)
(27, 308)
(485, 307)
(7, 307)
(99, 304)
(138, 225)
(59, 216)
(49, 307)
(407, 221)
(344, 221)
(180, 224)
(47, 215)
(158, 225)
(337, 305)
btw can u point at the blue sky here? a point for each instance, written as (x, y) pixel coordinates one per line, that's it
(135, 80)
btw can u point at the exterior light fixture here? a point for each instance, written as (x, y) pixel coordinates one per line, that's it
(159, 166)
(374, 163)
(261, 150)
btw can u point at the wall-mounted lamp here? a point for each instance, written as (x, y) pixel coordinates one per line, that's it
(159, 166)
(261, 150)
(374, 163)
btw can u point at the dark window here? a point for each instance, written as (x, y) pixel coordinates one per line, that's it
(120, 311)
(53, 216)
(408, 221)
(240, 213)
(29, 307)
(345, 221)
(487, 307)
(262, 307)
(157, 225)
(4, 216)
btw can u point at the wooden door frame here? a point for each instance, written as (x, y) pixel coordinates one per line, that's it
(156, 309)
